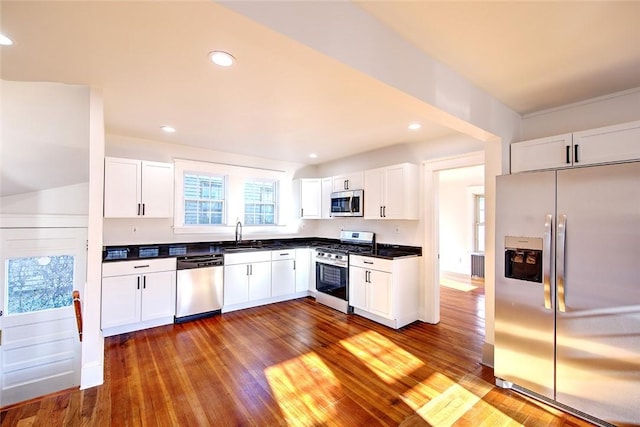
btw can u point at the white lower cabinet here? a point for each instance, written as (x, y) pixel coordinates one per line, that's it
(137, 295)
(383, 290)
(283, 272)
(247, 278)
(303, 269)
(255, 278)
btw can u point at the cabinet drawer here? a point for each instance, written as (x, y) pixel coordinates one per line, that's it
(248, 257)
(283, 254)
(122, 268)
(371, 263)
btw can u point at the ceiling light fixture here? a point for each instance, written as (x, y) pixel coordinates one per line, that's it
(313, 155)
(221, 58)
(415, 126)
(5, 41)
(168, 129)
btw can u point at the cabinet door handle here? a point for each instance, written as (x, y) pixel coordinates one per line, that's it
(285, 254)
(247, 269)
(250, 269)
(138, 282)
(380, 211)
(368, 262)
(301, 212)
(575, 153)
(144, 282)
(384, 211)
(568, 152)
(139, 207)
(141, 266)
(143, 205)
(294, 264)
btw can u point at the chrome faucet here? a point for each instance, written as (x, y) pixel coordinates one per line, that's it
(238, 232)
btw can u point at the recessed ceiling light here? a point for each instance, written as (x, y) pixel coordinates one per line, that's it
(5, 41)
(415, 126)
(168, 129)
(221, 58)
(313, 155)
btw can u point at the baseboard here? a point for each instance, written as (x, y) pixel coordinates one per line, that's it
(92, 375)
(487, 354)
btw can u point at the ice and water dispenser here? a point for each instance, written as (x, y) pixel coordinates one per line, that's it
(523, 258)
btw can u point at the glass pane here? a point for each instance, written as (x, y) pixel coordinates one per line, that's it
(203, 199)
(39, 283)
(260, 202)
(480, 242)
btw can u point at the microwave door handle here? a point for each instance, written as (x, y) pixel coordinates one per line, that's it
(351, 204)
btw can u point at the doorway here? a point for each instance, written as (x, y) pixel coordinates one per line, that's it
(431, 249)
(461, 227)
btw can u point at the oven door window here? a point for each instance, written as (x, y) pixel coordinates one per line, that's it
(331, 280)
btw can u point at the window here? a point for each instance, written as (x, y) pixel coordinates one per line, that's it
(260, 202)
(479, 223)
(39, 283)
(203, 199)
(211, 197)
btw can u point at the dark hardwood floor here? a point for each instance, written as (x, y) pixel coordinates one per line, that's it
(301, 364)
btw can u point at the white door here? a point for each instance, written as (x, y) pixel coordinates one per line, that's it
(40, 351)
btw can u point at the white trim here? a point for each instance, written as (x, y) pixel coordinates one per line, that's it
(92, 375)
(43, 221)
(430, 309)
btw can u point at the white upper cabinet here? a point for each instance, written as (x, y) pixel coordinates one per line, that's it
(137, 188)
(608, 144)
(391, 192)
(544, 153)
(350, 181)
(308, 194)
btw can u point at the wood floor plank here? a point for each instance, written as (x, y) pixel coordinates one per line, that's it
(298, 363)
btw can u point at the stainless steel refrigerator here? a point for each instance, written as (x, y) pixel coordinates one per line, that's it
(567, 291)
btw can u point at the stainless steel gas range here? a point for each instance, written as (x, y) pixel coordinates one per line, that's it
(332, 268)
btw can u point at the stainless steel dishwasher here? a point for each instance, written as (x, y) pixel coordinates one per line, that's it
(199, 286)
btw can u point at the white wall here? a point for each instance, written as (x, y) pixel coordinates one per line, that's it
(606, 110)
(67, 200)
(457, 188)
(44, 162)
(409, 232)
(119, 231)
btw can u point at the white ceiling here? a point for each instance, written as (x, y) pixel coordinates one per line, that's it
(283, 100)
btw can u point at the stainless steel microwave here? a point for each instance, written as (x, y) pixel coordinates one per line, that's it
(347, 203)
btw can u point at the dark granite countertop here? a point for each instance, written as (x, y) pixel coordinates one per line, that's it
(167, 250)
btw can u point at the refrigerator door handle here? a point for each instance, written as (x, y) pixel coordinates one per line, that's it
(560, 279)
(546, 262)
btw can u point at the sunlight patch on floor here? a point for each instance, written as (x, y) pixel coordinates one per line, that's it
(305, 389)
(457, 285)
(448, 402)
(384, 358)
